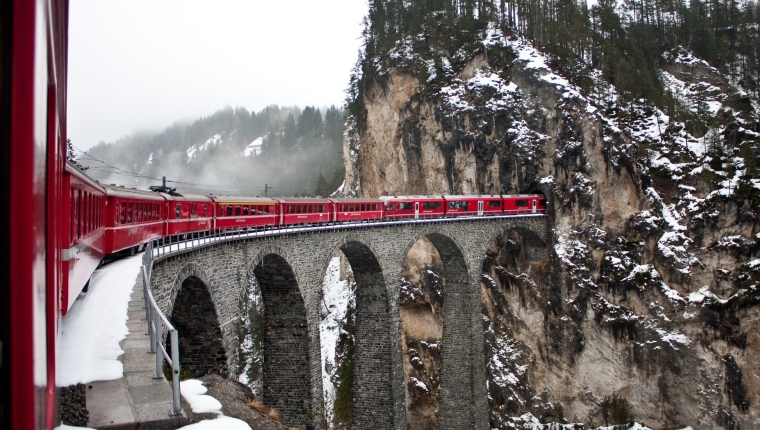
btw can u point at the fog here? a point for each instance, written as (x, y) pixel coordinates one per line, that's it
(143, 65)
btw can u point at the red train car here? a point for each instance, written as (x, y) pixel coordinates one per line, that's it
(133, 217)
(83, 233)
(235, 212)
(33, 47)
(473, 205)
(524, 204)
(188, 213)
(357, 209)
(294, 211)
(406, 207)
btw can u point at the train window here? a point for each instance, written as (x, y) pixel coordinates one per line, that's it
(204, 211)
(178, 210)
(123, 213)
(542, 203)
(116, 211)
(404, 206)
(220, 211)
(129, 213)
(521, 203)
(312, 208)
(431, 205)
(389, 207)
(494, 203)
(259, 209)
(245, 210)
(141, 212)
(237, 210)
(229, 210)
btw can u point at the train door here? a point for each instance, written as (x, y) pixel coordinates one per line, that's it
(416, 210)
(480, 207)
(534, 206)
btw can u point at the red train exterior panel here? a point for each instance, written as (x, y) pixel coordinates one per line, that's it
(473, 205)
(347, 210)
(294, 211)
(233, 212)
(133, 217)
(83, 233)
(188, 214)
(413, 207)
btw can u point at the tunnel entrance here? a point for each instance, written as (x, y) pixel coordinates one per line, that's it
(201, 350)
(286, 366)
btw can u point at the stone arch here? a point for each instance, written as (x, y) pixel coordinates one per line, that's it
(286, 368)
(373, 379)
(194, 315)
(459, 400)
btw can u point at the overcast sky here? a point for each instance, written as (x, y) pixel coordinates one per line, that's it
(142, 65)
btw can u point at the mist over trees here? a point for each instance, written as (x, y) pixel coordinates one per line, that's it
(300, 154)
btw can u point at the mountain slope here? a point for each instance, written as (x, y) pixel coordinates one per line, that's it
(649, 297)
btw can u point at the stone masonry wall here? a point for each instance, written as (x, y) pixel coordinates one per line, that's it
(376, 254)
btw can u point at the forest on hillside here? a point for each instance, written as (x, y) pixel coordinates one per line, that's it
(232, 151)
(623, 39)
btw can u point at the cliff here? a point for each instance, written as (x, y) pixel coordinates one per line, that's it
(647, 308)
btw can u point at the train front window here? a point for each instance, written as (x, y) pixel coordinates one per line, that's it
(389, 207)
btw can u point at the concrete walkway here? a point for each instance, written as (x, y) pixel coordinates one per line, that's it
(136, 401)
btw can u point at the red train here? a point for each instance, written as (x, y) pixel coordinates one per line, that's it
(105, 220)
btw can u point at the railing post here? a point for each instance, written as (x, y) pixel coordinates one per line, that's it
(159, 352)
(175, 370)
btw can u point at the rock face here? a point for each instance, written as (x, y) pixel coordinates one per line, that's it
(650, 298)
(421, 306)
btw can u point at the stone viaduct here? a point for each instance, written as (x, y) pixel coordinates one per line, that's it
(206, 285)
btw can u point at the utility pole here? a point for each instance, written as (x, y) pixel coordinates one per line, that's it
(266, 190)
(163, 178)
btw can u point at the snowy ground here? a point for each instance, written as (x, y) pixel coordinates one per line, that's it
(195, 394)
(337, 298)
(96, 323)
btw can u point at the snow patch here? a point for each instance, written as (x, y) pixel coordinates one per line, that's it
(96, 323)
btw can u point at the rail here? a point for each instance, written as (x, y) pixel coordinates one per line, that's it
(156, 323)
(177, 243)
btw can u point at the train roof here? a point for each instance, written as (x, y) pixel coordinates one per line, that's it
(187, 197)
(462, 196)
(352, 200)
(131, 193)
(388, 198)
(244, 199)
(74, 171)
(301, 200)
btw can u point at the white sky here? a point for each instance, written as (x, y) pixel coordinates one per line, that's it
(141, 65)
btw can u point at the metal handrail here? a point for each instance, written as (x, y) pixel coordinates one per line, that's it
(156, 323)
